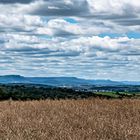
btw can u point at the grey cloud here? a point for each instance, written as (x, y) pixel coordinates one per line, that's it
(128, 22)
(60, 8)
(63, 33)
(82, 9)
(15, 1)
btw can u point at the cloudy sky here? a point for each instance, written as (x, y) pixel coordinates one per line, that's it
(95, 39)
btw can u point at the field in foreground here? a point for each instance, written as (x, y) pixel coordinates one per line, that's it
(92, 119)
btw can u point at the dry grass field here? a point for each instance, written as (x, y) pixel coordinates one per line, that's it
(92, 119)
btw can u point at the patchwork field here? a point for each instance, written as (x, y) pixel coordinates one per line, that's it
(90, 119)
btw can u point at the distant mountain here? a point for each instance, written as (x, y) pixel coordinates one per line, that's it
(13, 79)
(60, 81)
(131, 82)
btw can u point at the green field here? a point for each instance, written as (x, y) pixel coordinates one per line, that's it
(118, 94)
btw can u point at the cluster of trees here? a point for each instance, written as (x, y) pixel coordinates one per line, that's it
(23, 92)
(35, 92)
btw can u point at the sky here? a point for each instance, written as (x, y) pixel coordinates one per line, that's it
(92, 39)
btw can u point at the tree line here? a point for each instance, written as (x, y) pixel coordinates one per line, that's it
(32, 92)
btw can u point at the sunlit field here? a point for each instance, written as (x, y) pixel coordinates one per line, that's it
(92, 119)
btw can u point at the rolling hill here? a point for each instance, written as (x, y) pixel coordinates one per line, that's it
(60, 81)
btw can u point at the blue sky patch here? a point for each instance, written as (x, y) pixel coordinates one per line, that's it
(70, 20)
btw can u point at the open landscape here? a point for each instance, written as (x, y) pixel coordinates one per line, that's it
(69, 69)
(68, 109)
(90, 119)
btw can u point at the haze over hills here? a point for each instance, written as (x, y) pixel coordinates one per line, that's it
(61, 81)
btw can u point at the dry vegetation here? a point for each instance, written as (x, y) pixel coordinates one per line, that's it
(92, 119)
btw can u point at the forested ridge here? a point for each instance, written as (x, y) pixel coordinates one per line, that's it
(23, 92)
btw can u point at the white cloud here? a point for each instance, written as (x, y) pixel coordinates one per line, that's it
(36, 38)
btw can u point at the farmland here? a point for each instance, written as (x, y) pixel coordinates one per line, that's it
(85, 119)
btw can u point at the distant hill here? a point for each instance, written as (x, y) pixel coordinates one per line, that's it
(60, 81)
(131, 82)
(13, 79)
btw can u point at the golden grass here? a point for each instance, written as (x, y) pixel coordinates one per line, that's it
(92, 119)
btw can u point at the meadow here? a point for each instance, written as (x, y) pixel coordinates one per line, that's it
(86, 119)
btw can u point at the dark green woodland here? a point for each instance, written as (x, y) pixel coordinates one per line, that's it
(36, 92)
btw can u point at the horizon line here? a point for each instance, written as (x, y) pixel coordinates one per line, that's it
(70, 77)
